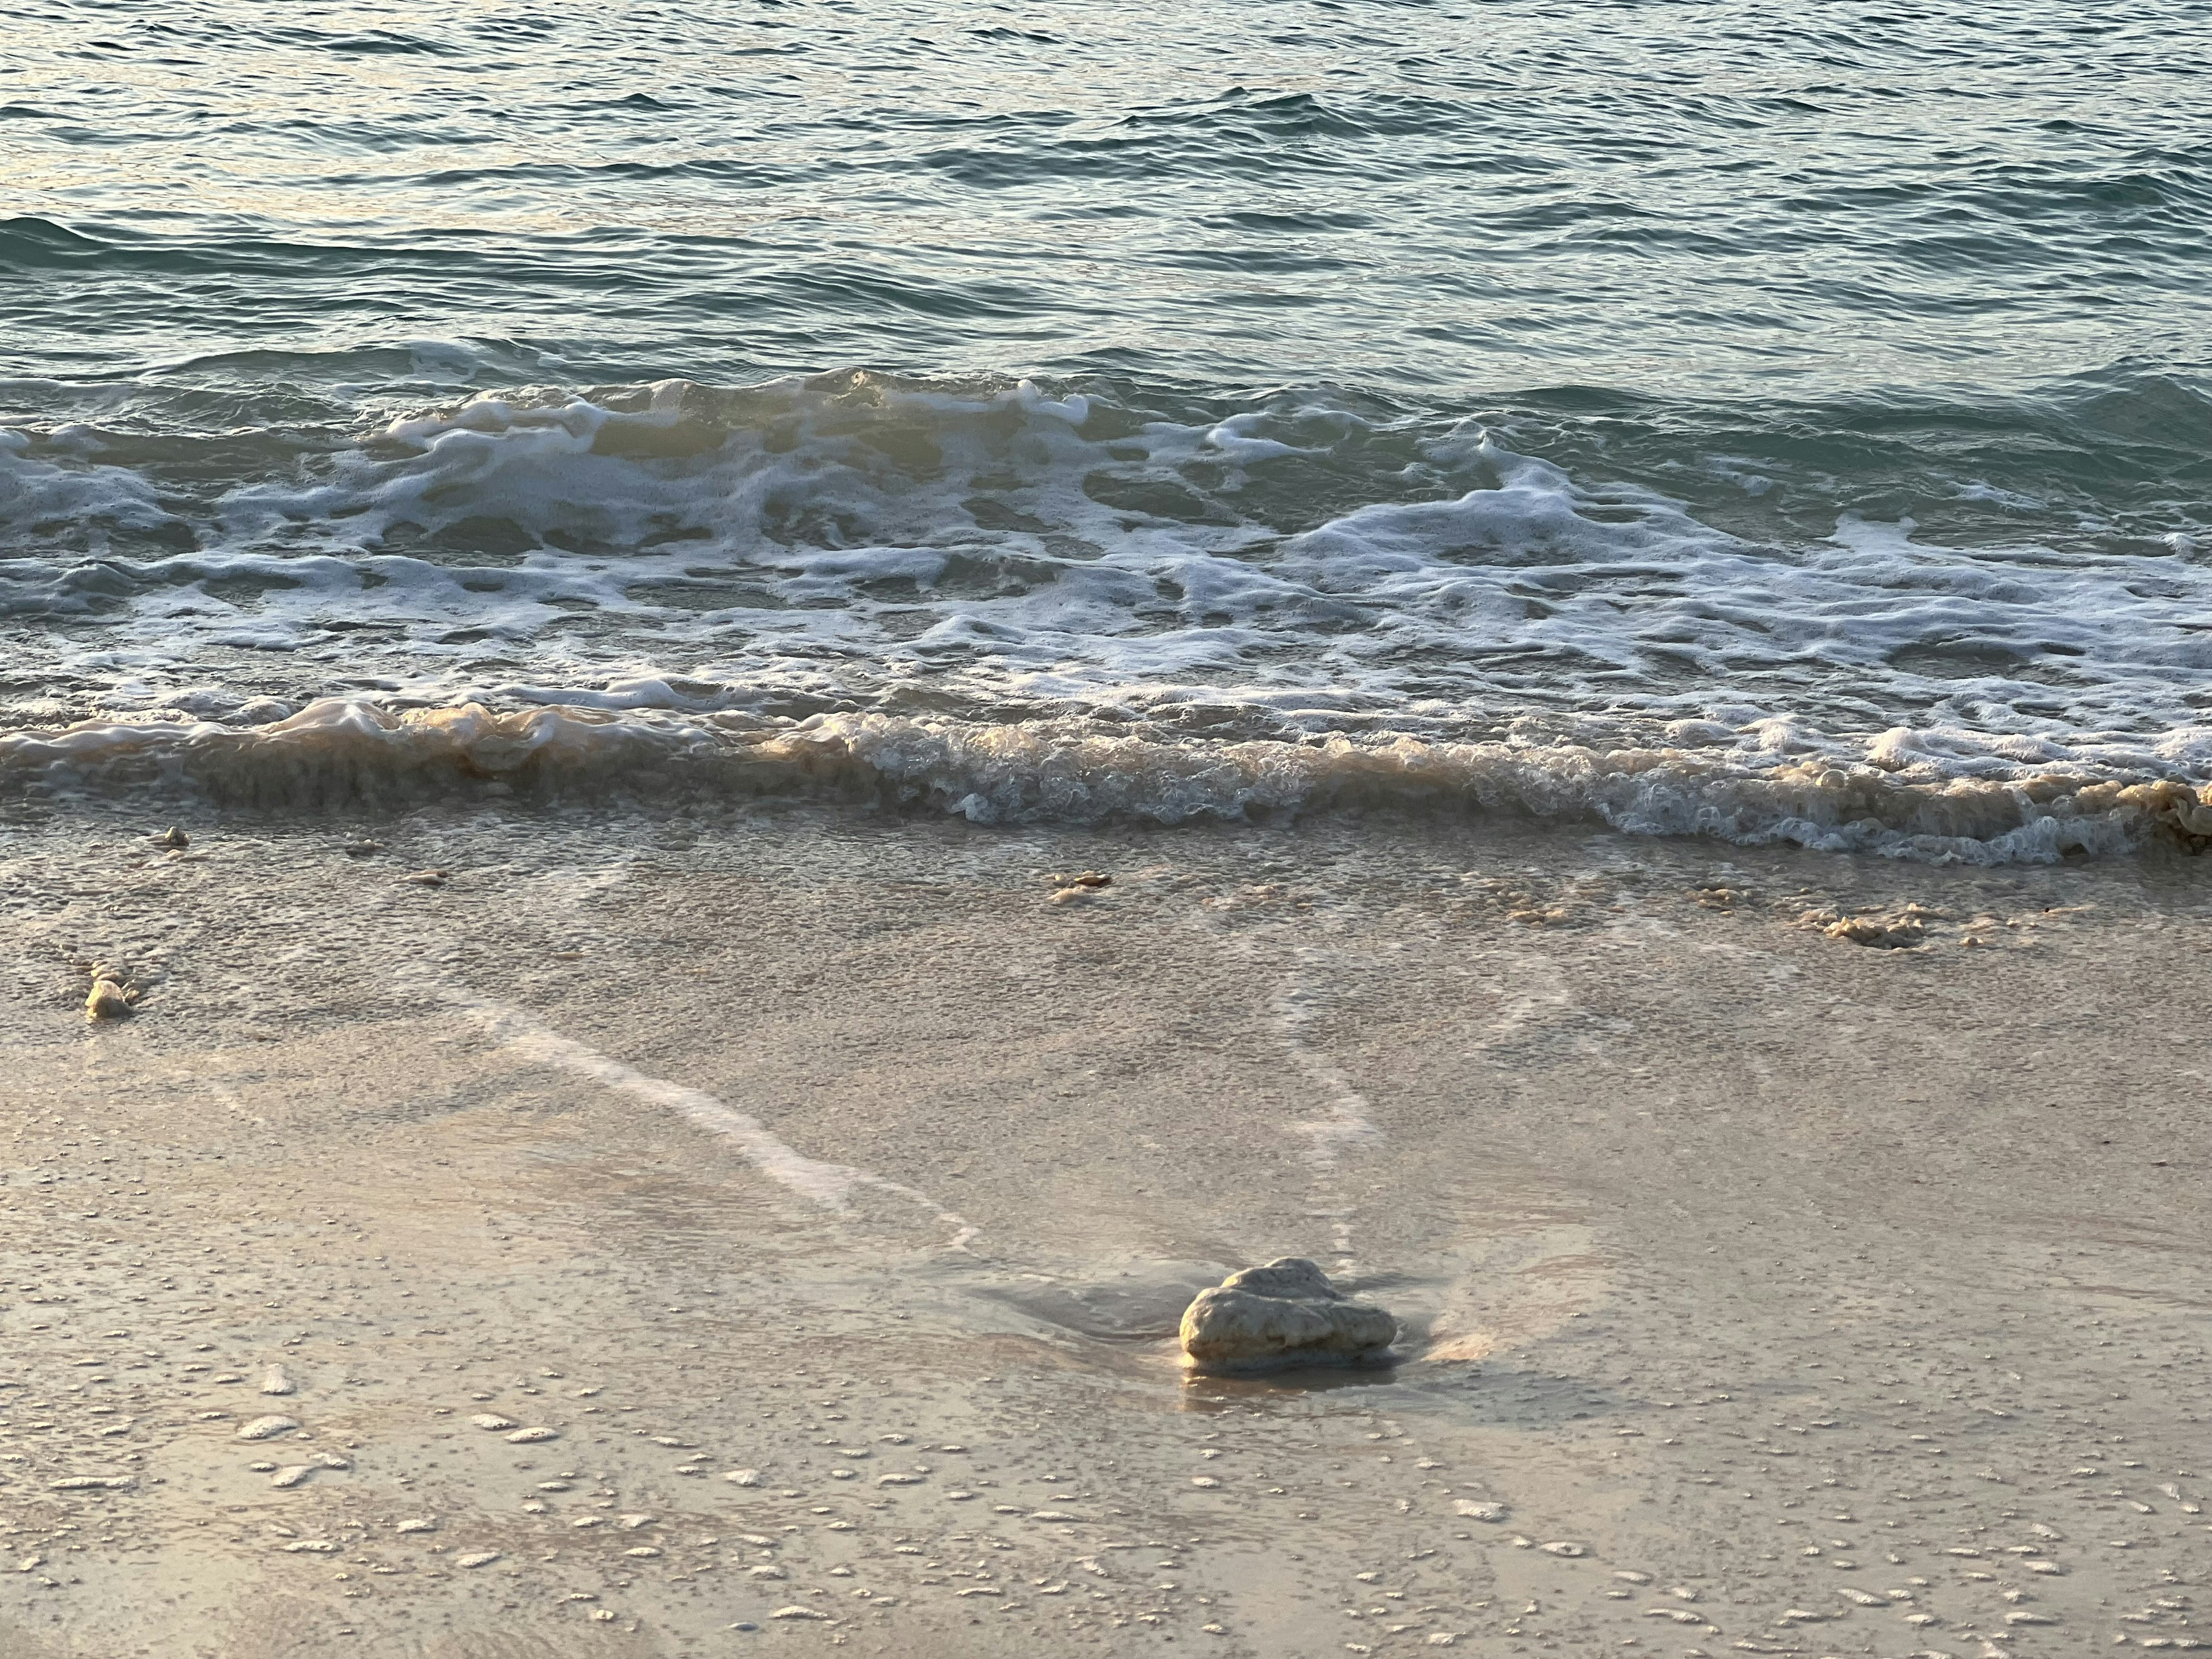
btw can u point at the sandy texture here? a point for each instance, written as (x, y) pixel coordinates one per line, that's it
(1783, 1273)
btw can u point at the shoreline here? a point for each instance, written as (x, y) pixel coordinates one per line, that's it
(1933, 798)
(784, 1133)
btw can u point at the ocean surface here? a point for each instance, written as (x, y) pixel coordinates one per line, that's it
(1784, 423)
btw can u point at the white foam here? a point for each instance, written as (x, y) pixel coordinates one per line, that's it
(1006, 559)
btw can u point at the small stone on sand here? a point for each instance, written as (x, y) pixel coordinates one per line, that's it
(532, 1437)
(418, 1523)
(109, 997)
(1286, 1313)
(477, 1559)
(744, 1477)
(492, 1421)
(172, 837)
(292, 1475)
(276, 1380)
(267, 1428)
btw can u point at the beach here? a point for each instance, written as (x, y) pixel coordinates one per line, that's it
(682, 1228)
(731, 735)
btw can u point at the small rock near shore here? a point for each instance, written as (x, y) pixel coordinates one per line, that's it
(110, 998)
(1286, 1313)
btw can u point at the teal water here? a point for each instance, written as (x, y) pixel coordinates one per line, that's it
(1819, 387)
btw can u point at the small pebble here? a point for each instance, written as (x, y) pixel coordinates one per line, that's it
(108, 998)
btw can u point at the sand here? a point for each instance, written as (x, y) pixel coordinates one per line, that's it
(701, 1232)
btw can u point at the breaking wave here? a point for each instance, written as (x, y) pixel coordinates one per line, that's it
(1892, 798)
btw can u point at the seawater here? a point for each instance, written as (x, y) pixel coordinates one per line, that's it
(1777, 423)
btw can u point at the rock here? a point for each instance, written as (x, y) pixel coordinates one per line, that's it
(1286, 1313)
(267, 1428)
(109, 997)
(173, 838)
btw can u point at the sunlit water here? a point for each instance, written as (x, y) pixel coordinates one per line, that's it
(1781, 422)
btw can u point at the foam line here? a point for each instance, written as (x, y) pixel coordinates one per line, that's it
(828, 1185)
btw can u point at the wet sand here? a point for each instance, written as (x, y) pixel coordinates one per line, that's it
(1765, 1292)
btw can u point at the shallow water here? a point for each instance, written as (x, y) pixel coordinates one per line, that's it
(1805, 420)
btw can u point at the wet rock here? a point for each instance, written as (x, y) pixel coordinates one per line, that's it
(1286, 1313)
(110, 997)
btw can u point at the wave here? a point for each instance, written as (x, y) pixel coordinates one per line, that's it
(1304, 539)
(1890, 801)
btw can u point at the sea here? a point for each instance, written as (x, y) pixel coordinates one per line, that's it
(1777, 423)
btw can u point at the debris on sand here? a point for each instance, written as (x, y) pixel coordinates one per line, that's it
(1902, 929)
(1078, 888)
(1286, 1313)
(173, 838)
